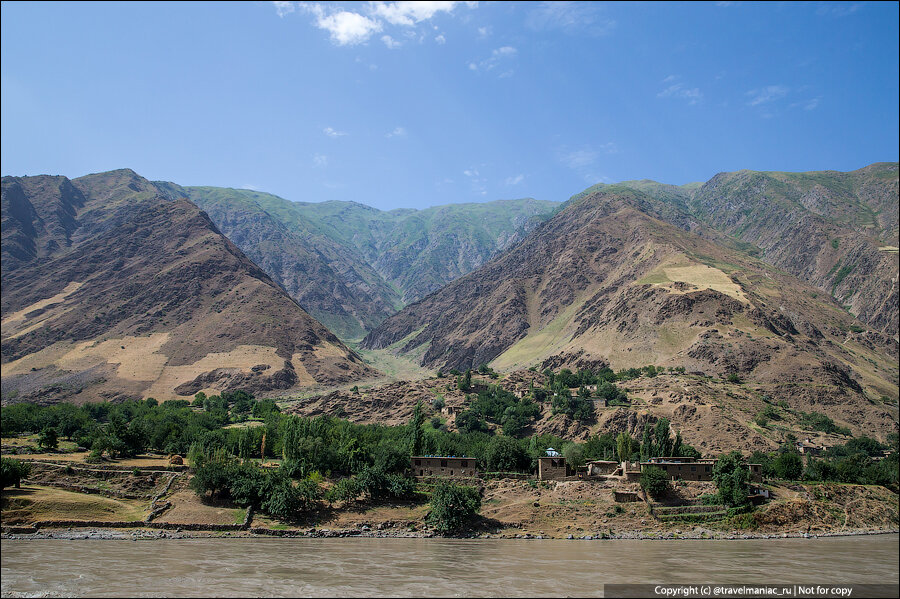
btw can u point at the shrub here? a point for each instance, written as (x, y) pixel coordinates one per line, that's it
(821, 422)
(709, 499)
(453, 507)
(346, 489)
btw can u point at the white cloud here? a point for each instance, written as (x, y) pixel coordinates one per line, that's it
(767, 94)
(345, 28)
(810, 104)
(585, 159)
(320, 160)
(838, 9)
(477, 182)
(577, 159)
(283, 8)
(390, 42)
(440, 39)
(409, 13)
(333, 133)
(571, 18)
(397, 132)
(677, 89)
(484, 32)
(349, 28)
(498, 57)
(515, 180)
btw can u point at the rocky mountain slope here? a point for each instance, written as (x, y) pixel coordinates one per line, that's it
(330, 280)
(114, 287)
(606, 282)
(351, 265)
(837, 231)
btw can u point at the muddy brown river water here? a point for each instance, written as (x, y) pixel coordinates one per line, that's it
(427, 567)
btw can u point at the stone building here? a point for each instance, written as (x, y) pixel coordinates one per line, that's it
(429, 465)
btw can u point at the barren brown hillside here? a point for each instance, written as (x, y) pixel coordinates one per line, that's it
(136, 294)
(605, 282)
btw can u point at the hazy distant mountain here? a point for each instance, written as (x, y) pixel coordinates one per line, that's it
(330, 280)
(114, 287)
(606, 282)
(350, 265)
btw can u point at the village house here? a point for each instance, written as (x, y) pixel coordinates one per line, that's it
(429, 465)
(552, 466)
(807, 447)
(450, 410)
(601, 467)
(686, 468)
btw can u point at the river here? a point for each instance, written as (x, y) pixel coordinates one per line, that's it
(427, 567)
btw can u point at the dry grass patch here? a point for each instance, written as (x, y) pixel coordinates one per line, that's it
(187, 508)
(35, 503)
(700, 276)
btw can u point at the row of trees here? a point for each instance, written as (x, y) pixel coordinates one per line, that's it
(860, 460)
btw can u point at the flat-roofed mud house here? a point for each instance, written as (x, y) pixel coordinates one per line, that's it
(430, 465)
(552, 466)
(686, 468)
(601, 467)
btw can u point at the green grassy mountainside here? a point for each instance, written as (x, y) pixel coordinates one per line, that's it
(329, 279)
(350, 265)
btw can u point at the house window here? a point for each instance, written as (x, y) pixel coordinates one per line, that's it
(418, 462)
(693, 468)
(443, 463)
(706, 468)
(464, 464)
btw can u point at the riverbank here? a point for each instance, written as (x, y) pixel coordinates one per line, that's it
(86, 502)
(98, 534)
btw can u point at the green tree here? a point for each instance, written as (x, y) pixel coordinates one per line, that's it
(624, 446)
(788, 466)
(13, 471)
(415, 426)
(655, 481)
(662, 439)
(732, 479)
(48, 439)
(574, 454)
(505, 454)
(453, 507)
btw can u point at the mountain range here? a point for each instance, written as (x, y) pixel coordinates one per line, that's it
(351, 265)
(787, 280)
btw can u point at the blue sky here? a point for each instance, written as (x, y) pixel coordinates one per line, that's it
(413, 104)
